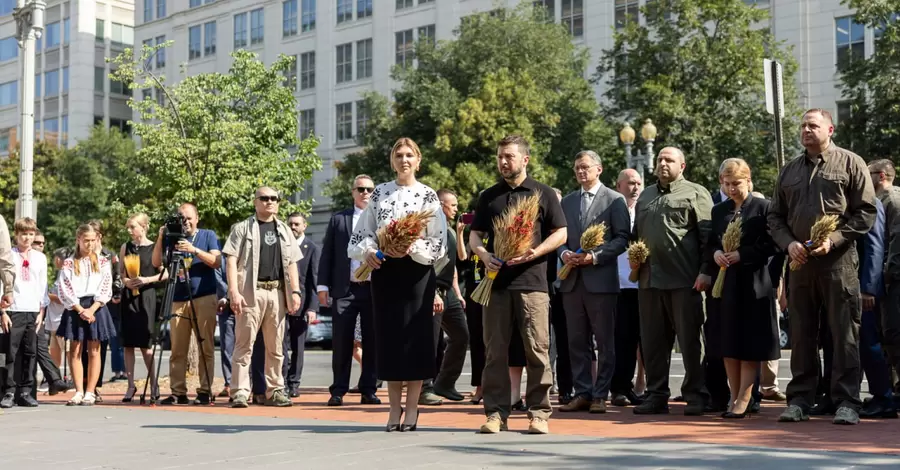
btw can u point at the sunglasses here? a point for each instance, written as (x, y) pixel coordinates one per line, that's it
(365, 189)
(38, 243)
(268, 198)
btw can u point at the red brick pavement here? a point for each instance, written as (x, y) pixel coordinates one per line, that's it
(761, 430)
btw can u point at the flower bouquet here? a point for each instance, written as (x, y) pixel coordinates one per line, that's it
(731, 241)
(818, 233)
(398, 235)
(133, 269)
(590, 239)
(513, 236)
(637, 254)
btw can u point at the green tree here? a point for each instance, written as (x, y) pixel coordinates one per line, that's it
(872, 85)
(695, 69)
(213, 138)
(47, 160)
(510, 71)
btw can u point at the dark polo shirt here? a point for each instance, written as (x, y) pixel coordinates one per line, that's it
(531, 276)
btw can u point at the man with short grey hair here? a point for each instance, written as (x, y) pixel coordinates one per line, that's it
(883, 174)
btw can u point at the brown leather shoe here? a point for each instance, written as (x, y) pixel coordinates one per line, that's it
(599, 406)
(577, 404)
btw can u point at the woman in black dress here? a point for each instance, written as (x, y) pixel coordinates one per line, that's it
(139, 310)
(748, 321)
(403, 284)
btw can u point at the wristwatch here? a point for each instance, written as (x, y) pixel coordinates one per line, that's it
(299, 293)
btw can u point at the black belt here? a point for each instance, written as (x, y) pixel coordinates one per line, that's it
(361, 283)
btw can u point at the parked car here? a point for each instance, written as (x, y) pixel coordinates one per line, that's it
(784, 323)
(320, 331)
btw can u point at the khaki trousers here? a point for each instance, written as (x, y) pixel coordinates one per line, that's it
(268, 315)
(531, 311)
(181, 331)
(768, 380)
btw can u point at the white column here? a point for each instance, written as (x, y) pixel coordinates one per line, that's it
(29, 27)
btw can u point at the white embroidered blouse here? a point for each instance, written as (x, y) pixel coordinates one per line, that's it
(87, 283)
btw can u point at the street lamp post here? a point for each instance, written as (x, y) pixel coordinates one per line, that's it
(29, 27)
(639, 160)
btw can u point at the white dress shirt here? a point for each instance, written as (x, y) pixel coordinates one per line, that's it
(624, 265)
(29, 291)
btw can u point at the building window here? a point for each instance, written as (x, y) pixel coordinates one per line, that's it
(146, 94)
(99, 30)
(548, 7)
(160, 8)
(240, 31)
(6, 7)
(573, 16)
(843, 112)
(426, 33)
(405, 48)
(9, 49)
(257, 27)
(345, 62)
(291, 75)
(51, 35)
(344, 11)
(118, 87)
(307, 123)
(307, 70)
(209, 38)
(363, 59)
(362, 119)
(64, 137)
(37, 85)
(289, 18)
(627, 11)
(194, 44)
(344, 120)
(308, 15)
(51, 83)
(66, 31)
(363, 9)
(850, 41)
(65, 80)
(148, 11)
(425, 1)
(99, 78)
(195, 3)
(161, 52)
(122, 35)
(148, 64)
(9, 93)
(401, 4)
(160, 98)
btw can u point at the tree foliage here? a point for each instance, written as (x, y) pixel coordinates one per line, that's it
(507, 72)
(872, 85)
(214, 138)
(695, 69)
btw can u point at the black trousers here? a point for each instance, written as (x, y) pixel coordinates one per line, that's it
(20, 346)
(890, 323)
(628, 339)
(296, 335)
(358, 303)
(451, 355)
(476, 339)
(564, 379)
(44, 361)
(713, 362)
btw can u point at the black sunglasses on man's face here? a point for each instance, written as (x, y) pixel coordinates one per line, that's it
(364, 189)
(268, 198)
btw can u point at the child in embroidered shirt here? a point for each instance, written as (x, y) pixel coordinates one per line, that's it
(85, 286)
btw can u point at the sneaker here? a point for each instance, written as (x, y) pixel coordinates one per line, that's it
(539, 426)
(793, 414)
(89, 399)
(202, 399)
(8, 401)
(239, 401)
(846, 415)
(176, 400)
(493, 425)
(279, 399)
(430, 399)
(26, 401)
(76, 399)
(775, 396)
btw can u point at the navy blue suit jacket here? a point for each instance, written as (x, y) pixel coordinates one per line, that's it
(308, 267)
(871, 256)
(334, 264)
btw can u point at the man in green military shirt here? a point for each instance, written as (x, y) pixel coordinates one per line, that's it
(883, 173)
(673, 219)
(824, 179)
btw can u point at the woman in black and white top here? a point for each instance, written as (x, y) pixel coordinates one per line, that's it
(85, 286)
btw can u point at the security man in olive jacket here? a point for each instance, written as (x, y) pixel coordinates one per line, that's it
(673, 219)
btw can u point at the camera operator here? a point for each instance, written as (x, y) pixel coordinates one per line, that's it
(200, 248)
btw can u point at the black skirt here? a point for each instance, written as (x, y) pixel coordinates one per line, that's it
(138, 318)
(403, 307)
(741, 325)
(74, 328)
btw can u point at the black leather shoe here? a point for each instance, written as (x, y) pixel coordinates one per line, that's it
(715, 408)
(519, 406)
(694, 409)
(679, 398)
(822, 409)
(619, 400)
(449, 393)
(878, 409)
(565, 398)
(651, 407)
(294, 392)
(335, 401)
(202, 399)
(354, 391)
(60, 386)
(370, 400)
(26, 401)
(176, 400)
(754, 407)
(634, 398)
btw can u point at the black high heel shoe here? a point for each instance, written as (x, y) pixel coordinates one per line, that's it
(129, 395)
(395, 427)
(745, 414)
(412, 427)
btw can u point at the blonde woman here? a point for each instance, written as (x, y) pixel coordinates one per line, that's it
(85, 286)
(139, 309)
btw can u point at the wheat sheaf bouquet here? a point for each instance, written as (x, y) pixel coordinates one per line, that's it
(513, 236)
(133, 269)
(731, 241)
(637, 255)
(818, 233)
(398, 235)
(590, 239)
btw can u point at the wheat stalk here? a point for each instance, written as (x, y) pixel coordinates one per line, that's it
(637, 254)
(731, 241)
(133, 269)
(818, 234)
(590, 239)
(398, 235)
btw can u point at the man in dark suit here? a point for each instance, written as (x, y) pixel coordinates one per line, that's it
(352, 299)
(299, 322)
(591, 289)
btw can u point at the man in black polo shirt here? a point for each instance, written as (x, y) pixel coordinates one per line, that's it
(519, 292)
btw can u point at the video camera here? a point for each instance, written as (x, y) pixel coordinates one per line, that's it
(176, 230)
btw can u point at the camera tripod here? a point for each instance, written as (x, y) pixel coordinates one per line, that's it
(175, 260)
